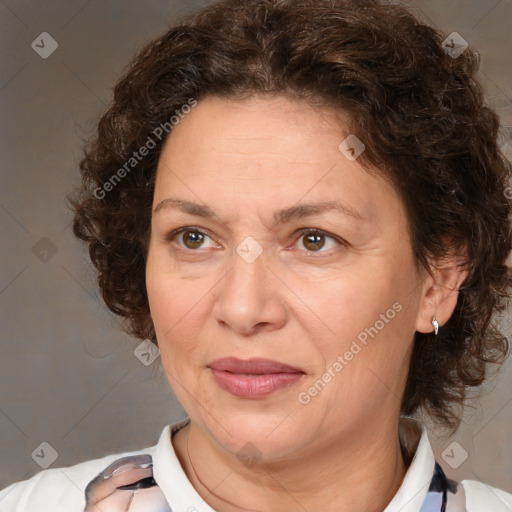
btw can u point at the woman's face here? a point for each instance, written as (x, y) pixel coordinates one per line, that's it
(247, 184)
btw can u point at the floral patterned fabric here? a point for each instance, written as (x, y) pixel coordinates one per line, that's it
(126, 485)
(444, 494)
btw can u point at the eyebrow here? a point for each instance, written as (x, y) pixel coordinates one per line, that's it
(280, 216)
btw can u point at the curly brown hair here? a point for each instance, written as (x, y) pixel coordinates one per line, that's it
(419, 111)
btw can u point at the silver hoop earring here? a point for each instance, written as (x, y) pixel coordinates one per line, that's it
(435, 323)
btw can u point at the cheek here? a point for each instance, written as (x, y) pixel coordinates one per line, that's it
(176, 311)
(354, 300)
(370, 310)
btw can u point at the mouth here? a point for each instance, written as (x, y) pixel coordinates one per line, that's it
(253, 378)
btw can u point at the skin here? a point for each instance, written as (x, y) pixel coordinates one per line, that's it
(300, 302)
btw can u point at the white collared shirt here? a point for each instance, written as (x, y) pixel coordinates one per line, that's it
(163, 486)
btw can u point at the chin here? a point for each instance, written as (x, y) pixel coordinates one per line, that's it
(258, 433)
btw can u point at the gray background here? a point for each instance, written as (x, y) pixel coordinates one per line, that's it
(68, 375)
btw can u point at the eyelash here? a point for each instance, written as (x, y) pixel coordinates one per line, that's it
(299, 234)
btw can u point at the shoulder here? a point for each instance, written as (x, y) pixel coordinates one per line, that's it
(59, 489)
(481, 497)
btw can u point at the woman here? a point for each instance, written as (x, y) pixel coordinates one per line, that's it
(303, 204)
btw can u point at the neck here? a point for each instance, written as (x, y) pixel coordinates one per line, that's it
(361, 471)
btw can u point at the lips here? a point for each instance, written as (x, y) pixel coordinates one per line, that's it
(252, 366)
(253, 378)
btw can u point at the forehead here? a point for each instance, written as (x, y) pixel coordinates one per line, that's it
(259, 129)
(270, 151)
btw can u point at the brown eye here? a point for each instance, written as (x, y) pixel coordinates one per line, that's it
(313, 242)
(193, 239)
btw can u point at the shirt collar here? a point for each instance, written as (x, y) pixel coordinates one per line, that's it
(170, 477)
(416, 446)
(414, 441)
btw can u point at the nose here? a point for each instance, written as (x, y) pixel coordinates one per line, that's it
(251, 298)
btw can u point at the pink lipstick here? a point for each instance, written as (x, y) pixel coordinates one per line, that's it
(253, 378)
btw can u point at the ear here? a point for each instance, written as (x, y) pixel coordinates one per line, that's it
(441, 290)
